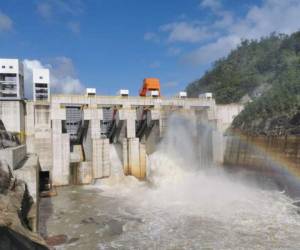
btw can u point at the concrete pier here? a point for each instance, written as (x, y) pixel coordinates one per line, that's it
(134, 158)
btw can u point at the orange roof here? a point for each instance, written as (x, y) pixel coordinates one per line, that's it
(150, 84)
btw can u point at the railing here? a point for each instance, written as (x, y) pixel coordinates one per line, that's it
(8, 82)
(8, 91)
(131, 100)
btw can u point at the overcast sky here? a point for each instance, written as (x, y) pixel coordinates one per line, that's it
(113, 44)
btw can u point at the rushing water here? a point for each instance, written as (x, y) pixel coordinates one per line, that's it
(183, 205)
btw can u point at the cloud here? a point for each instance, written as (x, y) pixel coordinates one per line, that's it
(62, 76)
(271, 16)
(186, 32)
(54, 8)
(74, 27)
(212, 51)
(212, 4)
(6, 24)
(45, 10)
(155, 65)
(151, 36)
(174, 51)
(60, 10)
(170, 84)
(29, 65)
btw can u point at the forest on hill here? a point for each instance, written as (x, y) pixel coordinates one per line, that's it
(264, 74)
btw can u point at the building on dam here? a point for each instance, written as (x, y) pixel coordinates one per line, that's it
(71, 134)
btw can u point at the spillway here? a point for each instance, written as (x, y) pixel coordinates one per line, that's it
(186, 203)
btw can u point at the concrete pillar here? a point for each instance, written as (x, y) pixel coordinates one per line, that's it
(87, 143)
(29, 127)
(100, 161)
(125, 157)
(134, 158)
(95, 129)
(94, 115)
(130, 123)
(143, 161)
(163, 122)
(218, 147)
(61, 155)
(129, 115)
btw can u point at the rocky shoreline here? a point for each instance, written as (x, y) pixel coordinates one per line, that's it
(16, 213)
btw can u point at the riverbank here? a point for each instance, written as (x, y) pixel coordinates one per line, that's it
(189, 210)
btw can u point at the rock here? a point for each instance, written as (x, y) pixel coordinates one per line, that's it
(6, 177)
(13, 240)
(15, 206)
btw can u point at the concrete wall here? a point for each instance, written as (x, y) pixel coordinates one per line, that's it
(61, 154)
(225, 114)
(29, 126)
(12, 113)
(13, 155)
(276, 157)
(43, 148)
(218, 147)
(38, 133)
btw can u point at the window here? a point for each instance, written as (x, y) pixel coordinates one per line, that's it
(11, 67)
(41, 85)
(41, 77)
(3, 66)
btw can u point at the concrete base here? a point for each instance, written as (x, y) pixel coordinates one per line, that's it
(134, 158)
(81, 172)
(43, 147)
(61, 159)
(13, 156)
(85, 172)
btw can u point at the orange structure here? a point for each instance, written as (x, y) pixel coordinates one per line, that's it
(150, 84)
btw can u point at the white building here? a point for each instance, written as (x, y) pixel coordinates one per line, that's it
(11, 79)
(41, 84)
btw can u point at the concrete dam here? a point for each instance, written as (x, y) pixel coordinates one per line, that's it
(138, 172)
(71, 133)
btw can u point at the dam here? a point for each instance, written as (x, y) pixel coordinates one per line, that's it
(71, 133)
(136, 172)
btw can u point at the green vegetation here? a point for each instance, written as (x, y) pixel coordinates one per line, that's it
(268, 71)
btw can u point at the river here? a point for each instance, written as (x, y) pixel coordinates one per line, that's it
(183, 205)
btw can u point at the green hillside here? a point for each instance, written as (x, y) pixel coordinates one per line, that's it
(267, 72)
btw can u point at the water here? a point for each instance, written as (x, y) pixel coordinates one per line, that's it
(184, 205)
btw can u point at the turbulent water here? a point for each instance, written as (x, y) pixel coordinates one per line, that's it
(184, 204)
